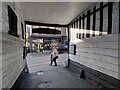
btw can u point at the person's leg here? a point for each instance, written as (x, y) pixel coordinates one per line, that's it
(51, 59)
(54, 59)
(51, 62)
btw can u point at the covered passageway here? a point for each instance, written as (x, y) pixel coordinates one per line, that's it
(88, 32)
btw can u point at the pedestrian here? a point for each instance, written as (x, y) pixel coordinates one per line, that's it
(54, 56)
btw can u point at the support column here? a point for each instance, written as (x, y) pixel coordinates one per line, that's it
(68, 44)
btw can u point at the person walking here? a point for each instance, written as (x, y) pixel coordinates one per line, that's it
(54, 56)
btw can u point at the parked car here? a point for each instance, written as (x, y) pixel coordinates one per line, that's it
(62, 48)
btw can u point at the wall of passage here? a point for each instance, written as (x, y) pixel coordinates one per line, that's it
(0, 45)
(12, 44)
(95, 32)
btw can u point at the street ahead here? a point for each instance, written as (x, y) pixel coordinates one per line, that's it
(43, 75)
(41, 61)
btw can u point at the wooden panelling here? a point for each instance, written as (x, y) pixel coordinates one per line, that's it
(97, 57)
(105, 38)
(98, 78)
(107, 52)
(0, 45)
(97, 23)
(12, 49)
(110, 69)
(99, 53)
(105, 20)
(106, 45)
(115, 18)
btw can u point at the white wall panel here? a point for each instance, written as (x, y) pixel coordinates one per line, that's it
(99, 53)
(12, 49)
(0, 45)
(115, 18)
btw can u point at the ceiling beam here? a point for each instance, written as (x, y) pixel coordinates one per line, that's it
(46, 31)
(44, 24)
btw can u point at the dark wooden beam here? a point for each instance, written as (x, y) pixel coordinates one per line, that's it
(87, 14)
(94, 20)
(119, 16)
(46, 31)
(110, 6)
(101, 19)
(45, 24)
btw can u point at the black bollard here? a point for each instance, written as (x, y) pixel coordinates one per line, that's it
(82, 73)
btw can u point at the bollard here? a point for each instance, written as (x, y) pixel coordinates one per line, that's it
(82, 73)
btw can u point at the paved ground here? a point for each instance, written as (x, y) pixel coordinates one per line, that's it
(42, 75)
(41, 61)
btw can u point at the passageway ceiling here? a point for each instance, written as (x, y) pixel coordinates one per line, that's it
(53, 12)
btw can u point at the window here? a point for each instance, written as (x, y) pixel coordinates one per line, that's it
(12, 22)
